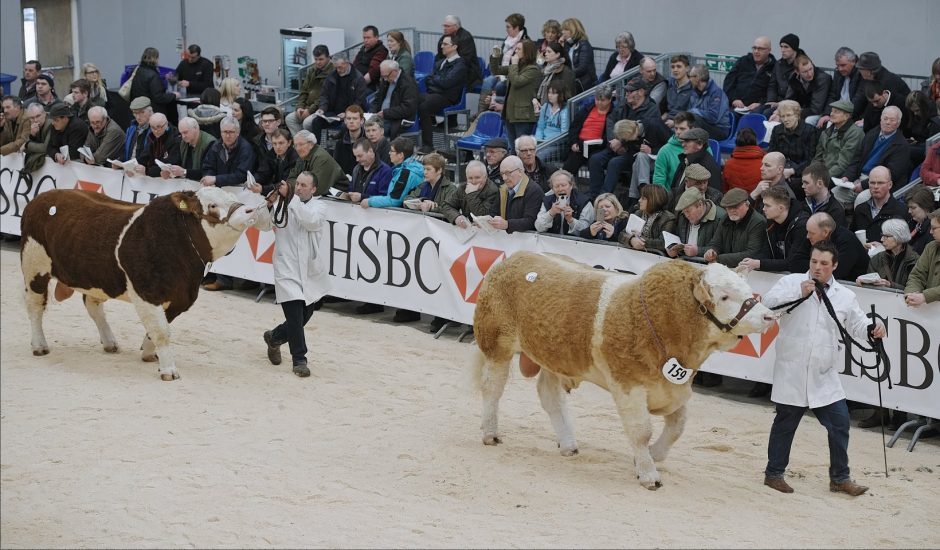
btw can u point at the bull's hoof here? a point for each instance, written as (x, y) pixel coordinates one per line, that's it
(652, 485)
(169, 377)
(111, 349)
(569, 452)
(40, 352)
(491, 440)
(152, 358)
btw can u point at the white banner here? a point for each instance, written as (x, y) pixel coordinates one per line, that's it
(408, 260)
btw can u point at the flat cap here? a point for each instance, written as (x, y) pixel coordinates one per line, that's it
(697, 134)
(697, 172)
(689, 197)
(140, 103)
(733, 197)
(635, 84)
(843, 105)
(60, 109)
(498, 143)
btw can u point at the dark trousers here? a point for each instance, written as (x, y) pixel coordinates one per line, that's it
(606, 167)
(296, 315)
(834, 417)
(318, 124)
(516, 129)
(714, 131)
(429, 106)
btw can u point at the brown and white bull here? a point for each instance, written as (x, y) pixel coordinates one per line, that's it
(152, 255)
(576, 323)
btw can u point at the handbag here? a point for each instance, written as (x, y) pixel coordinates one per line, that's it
(125, 89)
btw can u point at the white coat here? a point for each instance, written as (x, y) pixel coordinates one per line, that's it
(809, 355)
(300, 271)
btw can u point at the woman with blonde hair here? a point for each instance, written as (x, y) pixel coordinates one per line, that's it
(400, 50)
(230, 89)
(580, 51)
(91, 73)
(609, 219)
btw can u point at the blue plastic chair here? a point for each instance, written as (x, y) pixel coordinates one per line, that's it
(424, 64)
(727, 144)
(716, 150)
(485, 71)
(489, 126)
(915, 173)
(754, 121)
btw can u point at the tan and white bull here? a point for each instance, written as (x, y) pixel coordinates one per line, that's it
(153, 256)
(576, 323)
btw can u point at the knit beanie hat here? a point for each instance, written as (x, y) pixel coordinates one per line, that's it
(791, 40)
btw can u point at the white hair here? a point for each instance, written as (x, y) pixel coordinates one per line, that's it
(891, 109)
(158, 118)
(34, 107)
(389, 65)
(98, 110)
(452, 20)
(188, 122)
(521, 140)
(513, 162)
(476, 165)
(230, 122)
(306, 135)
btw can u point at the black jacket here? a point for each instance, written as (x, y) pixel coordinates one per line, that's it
(403, 104)
(199, 75)
(467, 50)
(448, 79)
(811, 97)
(704, 158)
(895, 157)
(872, 116)
(783, 242)
(832, 207)
(367, 62)
(74, 135)
(343, 150)
(340, 92)
(522, 210)
(582, 62)
(634, 61)
(798, 145)
(147, 83)
(748, 83)
(835, 89)
(853, 257)
(273, 169)
(166, 149)
(892, 82)
(863, 219)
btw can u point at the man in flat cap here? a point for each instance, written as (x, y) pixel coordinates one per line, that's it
(695, 151)
(697, 224)
(870, 68)
(740, 235)
(67, 130)
(840, 142)
(695, 176)
(494, 151)
(138, 133)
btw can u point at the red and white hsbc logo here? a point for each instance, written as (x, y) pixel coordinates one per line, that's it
(89, 186)
(261, 244)
(755, 345)
(470, 267)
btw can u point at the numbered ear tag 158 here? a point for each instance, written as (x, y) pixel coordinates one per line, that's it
(676, 373)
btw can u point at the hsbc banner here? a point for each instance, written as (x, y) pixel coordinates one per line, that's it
(418, 262)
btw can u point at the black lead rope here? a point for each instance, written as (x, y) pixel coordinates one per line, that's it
(279, 215)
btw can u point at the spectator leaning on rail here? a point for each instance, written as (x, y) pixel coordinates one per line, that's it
(658, 218)
(164, 146)
(478, 196)
(138, 133)
(519, 200)
(919, 205)
(740, 235)
(610, 219)
(840, 142)
(370, 55)
(275, 165)
(67, 129)
(15, 132)
(697, 225)
(308, 101)
(371, 176)
(923, 284)
(194, 145)
(747, 82)
(314, 159)
(698, 177)
(818, 198)
(40, 127)
(407, 173)
(709, 104)
(436, 193)
(195, 72)
(375, 133)
(396, 99)
(895, 263)
(565, 211)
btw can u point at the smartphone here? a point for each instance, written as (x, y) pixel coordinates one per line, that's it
(562, 200)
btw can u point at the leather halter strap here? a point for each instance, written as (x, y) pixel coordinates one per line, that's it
(747, 306)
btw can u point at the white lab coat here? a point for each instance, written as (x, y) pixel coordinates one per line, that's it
(300, 271)
(809, 355)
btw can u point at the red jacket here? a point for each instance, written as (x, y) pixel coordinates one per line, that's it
(930, 171)
(743, 168)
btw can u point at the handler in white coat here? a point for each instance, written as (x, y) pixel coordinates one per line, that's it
(806, 371)
(300, 275)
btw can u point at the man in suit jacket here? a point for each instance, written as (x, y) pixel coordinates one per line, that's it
(466, 49)
(885, 146)
(445, 86)
(396, 99)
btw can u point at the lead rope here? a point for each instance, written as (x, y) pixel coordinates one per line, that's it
(279, 215)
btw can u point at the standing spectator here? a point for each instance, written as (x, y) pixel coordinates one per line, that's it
(742, 170)
(519, 201)
(895, 263)
(495, 84)
(81, 99)
(923, 284)
(164, 146)
(396, 99)
(275, 164)
(445, 86)
(399, 51)
(477, 197)
(15, 132)
(678, 88)
(810, 88)
(747, 83)
(709, 104)
(551, 32)
(818, 198)
(194, 145)
(349, 135)
(933, 85)
(67, 129)
(589, 125)
(697, 225)
(919, 205)
(370, 55)
(783, 68)
(870, 68)
(919, 125)
(308, 100)
(31, 70)
(556, 71)
(795, 139)
(580, 51)
(553, 122)
(44, 92)
(653, 208)
(610, 219)
(230, 89)
(315, 159)
(194, 72)
(99, 88)
(623, 58)
(343, 87)
(148, 83)
(524, 78)
(565, 211)
(740, 235)
(880, 207)
(840, 142)
(466, 49)
(371, 176)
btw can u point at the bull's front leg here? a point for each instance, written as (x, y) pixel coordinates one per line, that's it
(158, 329)
(672, 429)
(95, 310)
(635, 416)
(552, 397)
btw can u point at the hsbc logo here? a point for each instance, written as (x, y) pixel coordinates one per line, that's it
(756, 345)
(261, 245)
(89, 186)
(470, 267)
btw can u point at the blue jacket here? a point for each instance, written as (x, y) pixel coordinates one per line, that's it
(233, 172)
(551, 125)
(711, 105)
(405, 177)
(129, 137)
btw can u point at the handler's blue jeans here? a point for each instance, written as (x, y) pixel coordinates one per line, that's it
(834, 417)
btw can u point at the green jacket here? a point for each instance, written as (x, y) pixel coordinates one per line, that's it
(653, 232)
(448, 204)
(480, 202)
(523, 87)
(198, 152)
(667, 161)
(925, 277)
(707, 227)
(734, 241)
(319, 163)
(895, 270)
(837, 148)
(313, 84)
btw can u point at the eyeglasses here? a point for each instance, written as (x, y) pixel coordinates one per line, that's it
(759, 49)
(504, 174)
(268, 120)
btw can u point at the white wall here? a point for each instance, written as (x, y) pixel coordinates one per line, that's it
(11, 41)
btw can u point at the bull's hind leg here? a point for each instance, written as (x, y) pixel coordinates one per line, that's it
(158, 328)
(635, 417)
(674, 425)
(37, 269)
(492, 374)
(95, 310)
(552, 396)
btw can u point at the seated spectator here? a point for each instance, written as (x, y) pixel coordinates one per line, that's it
(678, 88)
(698, 177)
(923, 284)
(551, 32)
(445, 86)
(565, 211)
(371, 176)
(532, 166)
(477, 197)
(695, 151)
(920, 203)
(580, 51)
(45, 93)
(148, 83)
(208, 113)
(351, 132)
(930, 170)
(343, 87)
(308, 101)
(230, 89)
(880, 207)
(270, 122)
(667, 160)
(642, 145)
(845, 81)
(313, 158)
(783, 68)
(67, 129)
(589, 124)
(772, 170)
(407, 174)
(742, 170)
(871, 70)
(557, 72)
(194, 146)
(809, 87)
(653, 209)
(610, 219)
(895, 263)
(164, 146)
(495, 84)
(396, 99)
(786, 233)
(195, 72)
(747, 83)
(653, 82)
(228, 160)
(375, 133)
(519, 201)
(553, 122)
(436, 192)
(466, 49)
(399, 51)
(494, 151)
(795, 139)
(40, 128)
(623, 58)
(879, 97)
(921, 123)
(709, 104)
(81, 99)
(853, 258)
(818, 198)
(275, 164)
(697, 225)
(244, 113)
(882, 146)
(840, 142)
(370, 55)
(740, 235)
(15, 132)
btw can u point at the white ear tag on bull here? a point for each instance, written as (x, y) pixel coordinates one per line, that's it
(531, 276)
(52, 210)
(676, 373)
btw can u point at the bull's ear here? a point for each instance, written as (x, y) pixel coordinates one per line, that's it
(702, 291)
(186, 202)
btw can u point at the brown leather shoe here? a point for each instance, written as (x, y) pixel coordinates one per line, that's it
(216, 285)
(848, 487)
(778, 483)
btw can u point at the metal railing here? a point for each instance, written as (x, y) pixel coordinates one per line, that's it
(903, 191)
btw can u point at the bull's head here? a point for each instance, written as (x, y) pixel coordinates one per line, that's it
(223, 217)
(728, 301)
